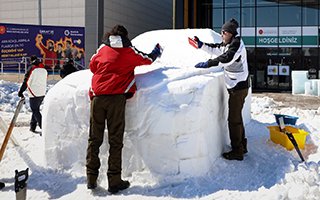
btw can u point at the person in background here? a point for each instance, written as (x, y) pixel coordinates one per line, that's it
(68, 50)
(60, 55)
(112, 84)
(48, 53)
(231, 54)
(35, 80)
(80, 59)
(67, 68)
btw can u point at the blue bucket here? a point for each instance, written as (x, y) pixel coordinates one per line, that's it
(290, 120)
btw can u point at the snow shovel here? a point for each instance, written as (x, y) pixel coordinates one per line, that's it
(13, 122)
(20, 184)
(290, 136)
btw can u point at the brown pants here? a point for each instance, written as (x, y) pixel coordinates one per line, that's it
(112, 108)
(235, 122)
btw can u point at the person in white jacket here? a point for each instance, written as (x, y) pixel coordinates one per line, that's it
(232, 57)
(35, 81)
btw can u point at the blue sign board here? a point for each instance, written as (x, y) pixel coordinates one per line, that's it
(51, 43)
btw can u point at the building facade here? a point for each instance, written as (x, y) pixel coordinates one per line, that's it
(97, 16)
(280, 35)
(137, 16)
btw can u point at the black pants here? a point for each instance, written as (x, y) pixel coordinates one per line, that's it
(36, 117)
(235, 122)
(112, 108)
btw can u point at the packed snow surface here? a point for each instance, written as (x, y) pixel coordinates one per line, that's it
(176, 124)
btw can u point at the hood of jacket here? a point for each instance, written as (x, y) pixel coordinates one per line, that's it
(117, 41)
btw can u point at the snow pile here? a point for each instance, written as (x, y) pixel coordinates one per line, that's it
(175, 124)
(268, 171)
(8, 95)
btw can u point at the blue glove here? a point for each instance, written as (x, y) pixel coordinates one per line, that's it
(202, 65)
(157, 51)
(200, 43)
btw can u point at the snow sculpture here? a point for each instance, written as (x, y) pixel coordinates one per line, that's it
(175, 124)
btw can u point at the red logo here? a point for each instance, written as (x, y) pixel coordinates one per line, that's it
(2, 30)
(260, 31)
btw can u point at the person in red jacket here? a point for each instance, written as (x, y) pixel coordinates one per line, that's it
(48, 53)
(112, 83)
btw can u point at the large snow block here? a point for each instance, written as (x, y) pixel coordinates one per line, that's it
(176, 123)
(298, 81)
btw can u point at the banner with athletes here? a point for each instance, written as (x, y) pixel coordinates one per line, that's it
(51, 43)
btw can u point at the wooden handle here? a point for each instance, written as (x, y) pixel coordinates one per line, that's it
(13, 121)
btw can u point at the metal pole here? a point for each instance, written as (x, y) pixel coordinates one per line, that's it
(173, 14)
(40, 12)
(25, 64)
(100, 21)
(1, 67)
(19, 71)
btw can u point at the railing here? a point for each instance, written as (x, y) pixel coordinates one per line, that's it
(12, 67)
(53, 66)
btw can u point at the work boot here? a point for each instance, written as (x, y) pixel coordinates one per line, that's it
(32, 130)
(91, 182)
(91, 186)
(233, 155)
(121, 186)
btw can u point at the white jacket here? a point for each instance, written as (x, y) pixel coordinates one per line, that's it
(35, 81)
(232, 58)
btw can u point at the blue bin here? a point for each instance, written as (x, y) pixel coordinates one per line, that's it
(290, 120)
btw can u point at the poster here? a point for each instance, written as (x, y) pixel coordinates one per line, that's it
(273, 70)
(284, 70)
(51, 43)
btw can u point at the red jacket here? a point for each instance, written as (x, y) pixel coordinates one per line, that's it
(113, 67)
(49, 57)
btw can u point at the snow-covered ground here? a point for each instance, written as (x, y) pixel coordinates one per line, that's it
(267, 172)
(177, 94)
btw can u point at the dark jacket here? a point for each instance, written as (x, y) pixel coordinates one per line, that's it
(67, 69)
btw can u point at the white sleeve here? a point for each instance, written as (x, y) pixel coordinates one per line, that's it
(215, 51)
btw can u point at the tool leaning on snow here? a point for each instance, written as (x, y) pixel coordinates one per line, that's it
(13, 122)
(290, 137)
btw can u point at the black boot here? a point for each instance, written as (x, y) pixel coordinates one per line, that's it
(121, 186)
(32, 130)
(91, 182)
(91, 186)
(233, 155)
(2, 185)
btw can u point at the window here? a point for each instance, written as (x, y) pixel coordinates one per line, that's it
(289, 16)
(309, 16)
(217, 29)
(232, 13)
(217, 3)
(266, 3)
(310, 58)
(267, 16)
(232, 3)
(217, 17)
(248, 2)
(248, 17)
